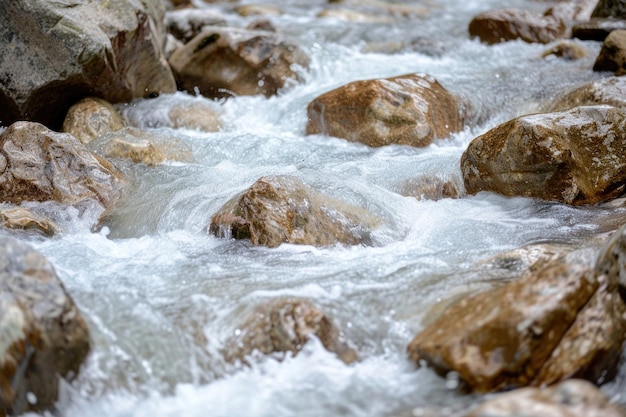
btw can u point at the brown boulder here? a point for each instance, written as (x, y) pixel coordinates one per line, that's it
(572, 156)
(612, 260)
(613, 54)
(610, 91)
(221, 62)
(276, 210)
(43, 336)
(174, 111)
(597, 29)
(111, 49)
(497, 26)
(23, 219)
(572, 398)
(502, 338)
(91, 117)
(411, 110)
(286, 326)
(37, 164)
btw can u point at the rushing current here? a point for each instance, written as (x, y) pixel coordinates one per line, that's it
(162, 296)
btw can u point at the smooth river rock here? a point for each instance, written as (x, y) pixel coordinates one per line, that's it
(412, 109)
(37, 164)
(111, 49)
(91, 117)
(610, 91)
(497, 26)
(222, 62)
(574, 156)
(561, 321)
(613, 54)
(285, 326)
(42, 334)
(19, 218)
(282, 209)
(572, 398)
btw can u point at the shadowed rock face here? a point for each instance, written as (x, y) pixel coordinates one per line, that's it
(572, 398)
(411, 110)
(572, 156)
(37, 164)
(497, 26)
(276, 210)
(110, 49)
(42, 334)
(612, 57)
(286, 326)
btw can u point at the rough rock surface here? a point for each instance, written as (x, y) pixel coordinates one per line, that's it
(221, 62)
(559, 322)
(111, 49)
(37, 164)
(285, 326)
(571, 156)
(23, 219)
(497, 26)
(280, 209)
(610, 8)
(91, 117)
(411, 110)
(431, 188)
(610, 91)
(42, 334)
(572, 398)
(613, 54)
(612, 260)
(597, 29)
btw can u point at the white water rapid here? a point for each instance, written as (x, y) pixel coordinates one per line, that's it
(161, 296)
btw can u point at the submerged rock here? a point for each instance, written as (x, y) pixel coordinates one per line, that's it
(37, 164)
(613, 54)
(23, 219)
(276, 210)
(497, 26)
(558, 322)
(431, 188)
(221, 62)
(111, 49)
(411, 110)
(610, 91)
(572, 398)
(91, 117)
(570, 156)
(42, 334)
(566, 50)
(285, 326)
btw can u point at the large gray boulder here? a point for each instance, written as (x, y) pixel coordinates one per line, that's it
(42, 334)
(54, 53)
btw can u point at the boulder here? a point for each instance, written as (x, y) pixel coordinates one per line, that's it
(612, 260)
(37, 164)
(597, 29)
(19, 218)
(497, 26)
(610, 8)
(610, 91)
(572, 398)
(281, 209)
(411, 110)
(285, 326)
(143, 147)
(613, 54)
(186, 24)
(559, 322)
(91, 117)
(573, 156)
(43, 334)
(110, 49)
(222, 62)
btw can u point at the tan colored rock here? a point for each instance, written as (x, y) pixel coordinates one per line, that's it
(613, 54)
(612, 260)
(280, 209)
(91, 117)
(110, 49)
(195, 117)
(42, 334)
(186, 24)
(431, 188)
(141, 146)
(411, 110)
(497, 26)
(222, 62)
(566, 50)
(248, 10)
(572, 398)
(570, 156)
(610, 91)
(286, 325)
(37, 164)
(24, 219)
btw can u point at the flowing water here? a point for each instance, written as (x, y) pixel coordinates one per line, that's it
(162, 296)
